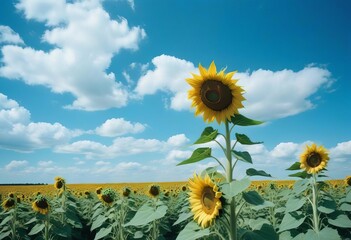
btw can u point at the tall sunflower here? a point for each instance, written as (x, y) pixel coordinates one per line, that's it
(41, 205)
(314, 159)
(204, 198)
(216, 95)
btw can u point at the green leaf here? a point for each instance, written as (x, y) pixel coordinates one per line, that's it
(345, 207)
(182, 217)
(59, 210)
(245, 140)
(291, 221)
(264, 205)
(98, 222)
(266, 232)
(294, 204)
(235, 187)
(198, 155)
(6, 219)
(253, 198)
(241, 120)
(256, 224)
(300, 186)
(302, 174)
(192, 231)
(103, 233)
(4, 235)
(328, 234)
(339, 219)
(295, 166)
(348, 197)
(254, 172)
(243, 156)
(327, 206)
(36, 229)
(138, 234)
(208, 135)
(147, 214)
(32, 220)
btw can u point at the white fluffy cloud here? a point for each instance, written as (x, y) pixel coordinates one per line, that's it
(19, 134)
(118, 126)
(15, 164)
(75, 65)
(272, 95)
(7, 36)
(168, 76)
(284, 93)
(121, 146)
(285, 149)
(342, 151)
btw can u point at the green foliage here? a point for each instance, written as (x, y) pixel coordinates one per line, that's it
(252, 197)
(241, 120)
(243, 156)
(192, 231)
(245, 140)
(254, 172)
(235, 187)
(208, 135)
(147, 214)
(198, 155)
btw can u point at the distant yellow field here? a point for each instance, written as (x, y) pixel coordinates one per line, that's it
(140, 188)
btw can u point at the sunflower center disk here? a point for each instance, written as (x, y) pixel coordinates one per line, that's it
(42, 204)
(216, 95)
(314, 160)
(208, 200)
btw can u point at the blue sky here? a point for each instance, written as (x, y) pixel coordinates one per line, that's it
(95, 91)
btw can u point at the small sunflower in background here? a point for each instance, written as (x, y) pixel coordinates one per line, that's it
(348, 180)
(41, 205)
(59, 183)
(108, 196)
(126, 192)
(9, 203)
(204, 198)
(314, 159)
(184, 188)
(11, 195)
(215, 94)
(154, 190)
(98, 190)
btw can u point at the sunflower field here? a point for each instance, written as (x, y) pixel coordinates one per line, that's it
(213, 204)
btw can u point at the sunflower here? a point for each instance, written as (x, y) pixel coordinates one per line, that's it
(204, 198)
(41, 205)
(108, 196)
(154, 190)
(348, 180)
(126, 192)
(216, 95)
(314, 159)
(59, 183)
(8, 203)
(98, 190)
(11, 195)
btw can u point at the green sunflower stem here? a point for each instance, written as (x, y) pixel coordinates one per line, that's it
(229, 175)
(315, 204)
(47, 227)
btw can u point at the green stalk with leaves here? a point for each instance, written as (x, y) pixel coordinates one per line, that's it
(218, 97)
